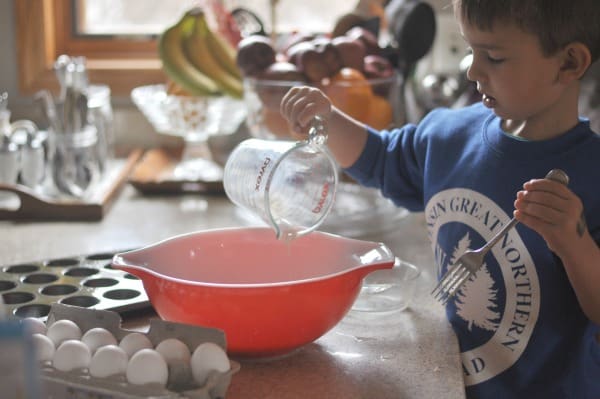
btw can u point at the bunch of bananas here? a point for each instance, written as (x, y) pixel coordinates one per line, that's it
(198, 59)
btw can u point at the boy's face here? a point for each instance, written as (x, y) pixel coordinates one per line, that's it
(514, 77)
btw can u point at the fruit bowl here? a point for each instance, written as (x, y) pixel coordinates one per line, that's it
(270, 297)
(375, 102)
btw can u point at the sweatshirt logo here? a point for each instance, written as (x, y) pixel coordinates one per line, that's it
(495, 311)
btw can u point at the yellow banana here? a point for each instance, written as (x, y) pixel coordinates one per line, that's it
(199, 54)
(177, 66)
(224, 53)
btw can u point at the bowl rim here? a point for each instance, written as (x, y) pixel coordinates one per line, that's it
(287, 83)
(160, 91)
(119, 262)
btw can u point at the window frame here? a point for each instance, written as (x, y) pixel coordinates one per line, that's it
(44, 30)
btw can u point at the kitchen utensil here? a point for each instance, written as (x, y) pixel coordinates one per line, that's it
(195, 119)
(33, 163)
(60, 70)
(269, 297)
(437, 90)
(49, 111)
(22, 151)
(81, 111)
(467, 265)
(47, 203)
(412, 26)
(3, 101)
(75, 165)
(248, 22)
(9, 151)
(289, 185)
(9, 161)
(88, 281)
(388, 290)
(100, 113)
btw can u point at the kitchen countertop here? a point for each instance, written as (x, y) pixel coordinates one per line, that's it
(408, 354)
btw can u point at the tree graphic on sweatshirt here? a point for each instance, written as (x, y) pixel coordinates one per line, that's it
(476, 301)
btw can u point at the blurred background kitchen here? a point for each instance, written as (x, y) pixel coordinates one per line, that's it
(105, 17)
(118, 40)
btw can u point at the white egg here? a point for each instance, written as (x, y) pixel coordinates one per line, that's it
(147, 366)
(97, 337)
(43, 347)
(108, 360)
(174, 351)
(34, 326)
(133, 342)
(70, 355)
(63, 330)
(208, 357)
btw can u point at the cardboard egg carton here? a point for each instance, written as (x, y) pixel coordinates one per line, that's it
(59, 384)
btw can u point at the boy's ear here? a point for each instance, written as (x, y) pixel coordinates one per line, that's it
(576, 59)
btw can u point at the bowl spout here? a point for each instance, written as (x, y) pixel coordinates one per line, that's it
(365, 270)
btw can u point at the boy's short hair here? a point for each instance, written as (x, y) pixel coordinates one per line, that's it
(555, 22)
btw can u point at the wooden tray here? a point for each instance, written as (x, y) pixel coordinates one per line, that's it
(39, 206)
(154, 175)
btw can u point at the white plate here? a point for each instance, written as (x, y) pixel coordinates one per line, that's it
(357, 211)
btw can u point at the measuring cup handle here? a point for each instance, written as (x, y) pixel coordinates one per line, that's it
(317, 134)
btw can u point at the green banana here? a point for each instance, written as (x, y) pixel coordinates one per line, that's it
(177, 66)
(196, 47)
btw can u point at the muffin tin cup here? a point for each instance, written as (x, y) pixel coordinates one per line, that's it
(86, 281)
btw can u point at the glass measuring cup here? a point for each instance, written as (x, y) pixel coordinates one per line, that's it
(289, 185)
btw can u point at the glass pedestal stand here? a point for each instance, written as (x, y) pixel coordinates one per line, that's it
(195, 119)
(196, 162)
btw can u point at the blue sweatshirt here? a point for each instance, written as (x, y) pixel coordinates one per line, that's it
(521, 330)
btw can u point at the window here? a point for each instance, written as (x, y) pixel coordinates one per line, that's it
(118, 37)
(44, 32)
(109, 17)
(127, 17)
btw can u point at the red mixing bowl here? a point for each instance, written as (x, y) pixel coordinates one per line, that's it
(268, 296)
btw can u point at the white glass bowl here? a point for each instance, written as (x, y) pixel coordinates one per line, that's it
(195, 119)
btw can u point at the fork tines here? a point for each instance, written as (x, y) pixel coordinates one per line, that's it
(451, 282)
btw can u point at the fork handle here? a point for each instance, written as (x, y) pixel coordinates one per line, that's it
(488, 245)
(557, 175)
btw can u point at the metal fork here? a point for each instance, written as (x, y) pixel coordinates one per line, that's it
(471, 261)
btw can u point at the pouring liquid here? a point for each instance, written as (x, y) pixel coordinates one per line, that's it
(287, 233)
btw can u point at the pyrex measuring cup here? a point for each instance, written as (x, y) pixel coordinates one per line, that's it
(290, 185)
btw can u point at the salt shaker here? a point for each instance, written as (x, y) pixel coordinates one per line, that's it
(9, 161)
(33, 163)
(9, 151)
(30, 142)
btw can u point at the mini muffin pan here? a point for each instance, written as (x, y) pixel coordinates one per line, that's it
(87, 281)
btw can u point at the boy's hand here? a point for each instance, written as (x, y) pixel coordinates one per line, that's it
(553, 210)
(301, 104)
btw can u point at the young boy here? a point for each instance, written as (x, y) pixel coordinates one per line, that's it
(528, 323)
